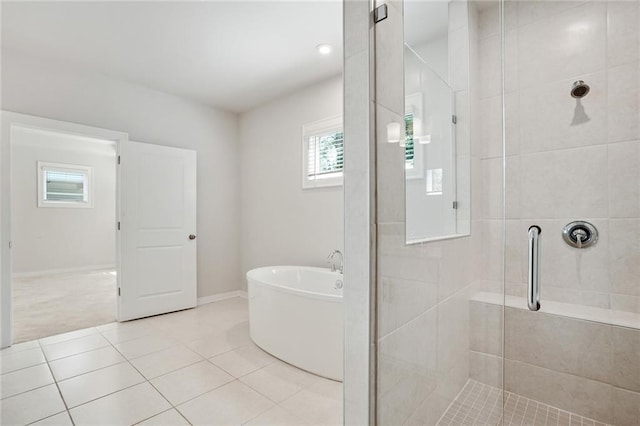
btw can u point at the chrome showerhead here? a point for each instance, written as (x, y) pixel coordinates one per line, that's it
(580, 89)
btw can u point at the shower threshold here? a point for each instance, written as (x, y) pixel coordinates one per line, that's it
(479, 404)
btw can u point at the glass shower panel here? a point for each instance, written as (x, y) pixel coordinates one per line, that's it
(439, 303)
(430, 163)
(571, 154)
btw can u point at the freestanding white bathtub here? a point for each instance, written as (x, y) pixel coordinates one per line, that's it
(295, 314)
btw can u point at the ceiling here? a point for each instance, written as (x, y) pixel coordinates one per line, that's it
(232, 55)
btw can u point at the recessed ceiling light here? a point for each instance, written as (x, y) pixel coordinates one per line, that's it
(324, 49)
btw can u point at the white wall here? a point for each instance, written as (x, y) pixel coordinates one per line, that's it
(281, 222)
(436, 55)
(48, 239)
(54, 90)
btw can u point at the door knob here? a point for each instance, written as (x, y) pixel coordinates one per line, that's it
(192, 237)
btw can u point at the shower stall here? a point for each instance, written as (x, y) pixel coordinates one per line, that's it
(525, 311)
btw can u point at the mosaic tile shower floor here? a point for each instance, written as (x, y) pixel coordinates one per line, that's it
(480, 404)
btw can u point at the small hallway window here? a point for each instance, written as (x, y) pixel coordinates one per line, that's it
(64, 185)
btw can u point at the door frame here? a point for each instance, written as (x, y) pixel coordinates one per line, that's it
(8, 121)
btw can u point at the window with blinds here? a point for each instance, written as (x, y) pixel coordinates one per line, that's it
(64, 185)
(409, 150)
(323, 153)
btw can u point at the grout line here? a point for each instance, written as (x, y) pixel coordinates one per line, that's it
(125, 359)
(56, 383)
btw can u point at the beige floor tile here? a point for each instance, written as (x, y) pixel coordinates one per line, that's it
(127, 331)
(242, 361)
(277, 416)
(81, 389)
(74, 346)
(61, 419)
(279, 381)
(85, 362)
(182, 385)
(232, 404)
(168, 418)
(136, 348)
(19, 347)
(319, 404)
(93, 374)
(129, 406)
(165, 361)
(16, 361)
(57, 338)
(222, 342)
(24, 380)
(31, 406)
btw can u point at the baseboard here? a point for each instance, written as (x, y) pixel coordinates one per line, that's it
(222, 296)
(62, 271)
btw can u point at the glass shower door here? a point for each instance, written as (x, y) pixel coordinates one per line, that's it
(464, 334)
(571, 155)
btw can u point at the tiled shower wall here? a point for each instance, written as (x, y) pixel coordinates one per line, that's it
(566, 159)
(422, 289)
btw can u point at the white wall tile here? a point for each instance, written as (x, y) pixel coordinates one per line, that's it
(582, 348)
(623, 104)
(533, 10)
(622, 32)
(565, 183)
(624, 256)
(407, 371)
(486, 325)
(568, 267)
(624, 179)
(486, 368)
(626, 407)
(563, 45)
(565, 391)
(550, 119)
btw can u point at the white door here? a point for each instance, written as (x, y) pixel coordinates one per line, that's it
(157, 230)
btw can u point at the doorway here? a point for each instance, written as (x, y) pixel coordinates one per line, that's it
(63, 203)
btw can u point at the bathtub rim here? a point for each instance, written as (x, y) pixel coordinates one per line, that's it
(333, 298)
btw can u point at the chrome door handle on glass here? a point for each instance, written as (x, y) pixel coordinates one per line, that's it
(533, 291)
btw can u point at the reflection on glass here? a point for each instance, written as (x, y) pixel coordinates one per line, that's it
(436, 155)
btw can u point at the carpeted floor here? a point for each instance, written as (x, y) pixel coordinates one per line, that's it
(54, 304)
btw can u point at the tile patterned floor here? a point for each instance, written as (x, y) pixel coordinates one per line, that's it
(480, 404)
(191, 367)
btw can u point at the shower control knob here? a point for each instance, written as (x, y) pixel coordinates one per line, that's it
(580, 234)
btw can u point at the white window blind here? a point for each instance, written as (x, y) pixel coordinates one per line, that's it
(409, 150)
(323, 161)
(64, 185)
